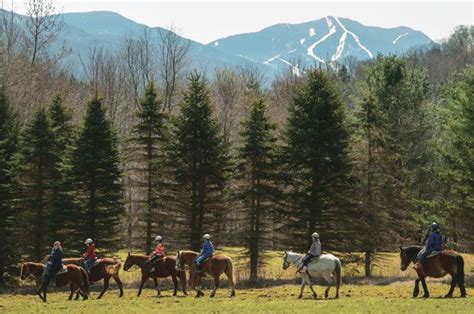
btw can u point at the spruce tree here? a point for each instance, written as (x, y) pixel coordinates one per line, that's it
(318, 164)
(96, 178)
(148, 146)
(38, 161)
(258, 191)
(8, 147)
(200, 161)
(64, 140)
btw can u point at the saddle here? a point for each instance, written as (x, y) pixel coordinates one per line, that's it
(432, 254)
(63, 270)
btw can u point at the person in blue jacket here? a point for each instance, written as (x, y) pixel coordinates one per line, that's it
(55, 261)
(434, 243)
(206, 252)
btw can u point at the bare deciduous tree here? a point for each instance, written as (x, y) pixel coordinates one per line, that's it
(173, 59)
(42, 28)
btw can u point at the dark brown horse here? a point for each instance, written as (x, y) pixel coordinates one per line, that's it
(163, 269)
(105, 269)
(215, 266)
(75, 276)
(447, 262)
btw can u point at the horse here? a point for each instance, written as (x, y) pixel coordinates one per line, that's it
(105, 268)
(327, 266)
(164, 268)
(215, 266)
(446, 262)
(75, 276)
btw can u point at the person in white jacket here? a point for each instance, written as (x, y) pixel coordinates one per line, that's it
(313, 253)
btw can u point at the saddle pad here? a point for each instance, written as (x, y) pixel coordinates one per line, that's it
(433, 254)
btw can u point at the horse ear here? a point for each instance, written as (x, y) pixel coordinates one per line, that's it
(128, 253)
(401, 248)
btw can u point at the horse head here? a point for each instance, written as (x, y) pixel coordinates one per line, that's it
(408, 255)
(179, 261)
(25, 271)
(286, 264)
(128, 262)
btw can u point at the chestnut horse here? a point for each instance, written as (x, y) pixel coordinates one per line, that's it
(105, 268)
(447, 262)
(163, 269)
(215, 266)
(75, 276)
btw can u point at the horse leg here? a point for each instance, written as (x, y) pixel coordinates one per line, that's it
(196, 285)
(302, 288)
(416, 290)
(141, 285)
(106, 286)
(216, 285)
(155, 281)
(175, 283)
(182, 278)
(329, 281)
(453, 285)
(119, 284)
(72, 292)
(425, 288)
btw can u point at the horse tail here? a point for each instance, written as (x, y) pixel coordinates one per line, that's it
(231, 275)
(85, 280)
(338, 276)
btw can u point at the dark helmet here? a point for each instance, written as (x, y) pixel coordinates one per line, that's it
(434, 226)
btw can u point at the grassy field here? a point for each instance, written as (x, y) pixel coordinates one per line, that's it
(389, 291)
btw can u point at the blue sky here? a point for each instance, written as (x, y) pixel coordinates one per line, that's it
(205, 21)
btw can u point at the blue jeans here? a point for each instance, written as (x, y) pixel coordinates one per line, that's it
(200, 259)
(88, 262)
(424, 255)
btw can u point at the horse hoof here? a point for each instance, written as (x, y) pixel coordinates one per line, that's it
(315, 296)
(212, 295)
(463, 295)
(426, 296)
(448, 296)
(300, 296)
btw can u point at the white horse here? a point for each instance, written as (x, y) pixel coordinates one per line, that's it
(327, 266)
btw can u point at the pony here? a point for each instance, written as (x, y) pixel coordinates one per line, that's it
(75, 276)
(446, 262)
(214, 266)
(164, 268)
(327, 266)
(105, 269)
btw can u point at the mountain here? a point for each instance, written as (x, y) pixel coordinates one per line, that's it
(274, 48)
(325, 40)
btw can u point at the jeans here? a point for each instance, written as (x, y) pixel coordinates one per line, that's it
(200, 259)
(424, 254)
(88, 262)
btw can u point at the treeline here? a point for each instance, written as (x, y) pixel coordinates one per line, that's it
(367, 156)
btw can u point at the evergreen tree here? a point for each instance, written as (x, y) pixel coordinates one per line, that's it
(199, 157)
(147, 153)
(317, 159)
(8, 148)
(64, 139)
(96, 178)
(257, 174)
(458, 155)
(38, 161)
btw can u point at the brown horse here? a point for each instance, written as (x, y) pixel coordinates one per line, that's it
(447, 262)
(215, 266)
(163, 269)
(105, 268)
(75, 276)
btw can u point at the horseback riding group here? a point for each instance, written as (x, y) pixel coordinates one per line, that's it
(429, 261)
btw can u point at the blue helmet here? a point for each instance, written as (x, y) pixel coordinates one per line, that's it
(434, 226)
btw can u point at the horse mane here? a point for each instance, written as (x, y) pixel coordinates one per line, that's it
(412, 250)
(188, 252)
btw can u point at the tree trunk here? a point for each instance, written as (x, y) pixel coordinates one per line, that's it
(367, 263)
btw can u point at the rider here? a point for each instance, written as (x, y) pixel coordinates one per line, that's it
(434, 243)
(54, 263)
(206, 252)
(313, 253)
(157, 254)
(89, 257)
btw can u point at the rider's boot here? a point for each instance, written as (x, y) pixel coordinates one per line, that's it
(304, 269)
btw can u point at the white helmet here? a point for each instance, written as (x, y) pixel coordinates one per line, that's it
(206, 236)
(89, 241)
(158, 238)
(315, 235)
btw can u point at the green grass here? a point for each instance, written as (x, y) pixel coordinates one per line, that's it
(395, 298)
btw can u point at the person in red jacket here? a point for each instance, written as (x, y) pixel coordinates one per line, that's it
(89, 257)
(158, 254)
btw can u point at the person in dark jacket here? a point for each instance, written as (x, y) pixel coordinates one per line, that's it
(55, 260)
(206, 252)
(434, 243)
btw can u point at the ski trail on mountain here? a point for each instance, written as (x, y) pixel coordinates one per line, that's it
(340, 47)
(271, 59)
(294, 68)
(399, 36)
(332, 30)
(356, 38)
